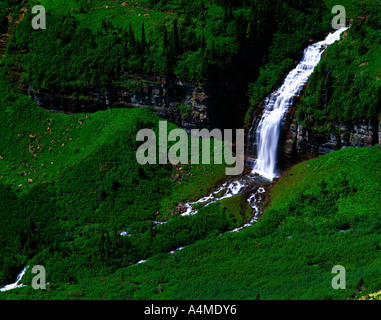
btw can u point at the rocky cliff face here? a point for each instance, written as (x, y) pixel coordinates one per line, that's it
(221, 102)
(299, 143)
(181, 102)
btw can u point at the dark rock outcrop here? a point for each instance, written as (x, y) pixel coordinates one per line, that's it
(220, 102)
(180, 102)
(299, 143)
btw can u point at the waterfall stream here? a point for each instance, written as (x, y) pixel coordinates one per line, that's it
(267, 135)
(278, 102)
(16, 284)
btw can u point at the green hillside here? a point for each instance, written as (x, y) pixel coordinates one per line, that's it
(67, 179)
(324, 212)
(190, 39)
(74, 199)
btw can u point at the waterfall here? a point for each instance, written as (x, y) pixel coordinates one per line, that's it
(16, 284)
(278, 102)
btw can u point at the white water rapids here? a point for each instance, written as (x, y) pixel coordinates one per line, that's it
(278, 102)
(227, 190)
(16, 284)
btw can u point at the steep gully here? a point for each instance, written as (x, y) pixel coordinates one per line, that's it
(263, 137)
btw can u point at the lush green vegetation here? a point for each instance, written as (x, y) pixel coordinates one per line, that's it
(70, 185)
(324, 212)
(67, 181)
(190, 39)
(346, 86)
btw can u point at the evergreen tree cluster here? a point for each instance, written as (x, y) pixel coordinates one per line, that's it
(202, 36)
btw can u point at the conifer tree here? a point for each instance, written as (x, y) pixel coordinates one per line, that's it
(175, 38)
(202, 42)
(165, 39)
(143, 43)
(131, 37)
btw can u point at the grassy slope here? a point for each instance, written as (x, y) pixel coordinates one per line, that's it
(119, 15)
(324, 212)
(37, 144)
(76, 173)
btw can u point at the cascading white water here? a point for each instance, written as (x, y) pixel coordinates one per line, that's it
(277, 104)
(16, 284)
